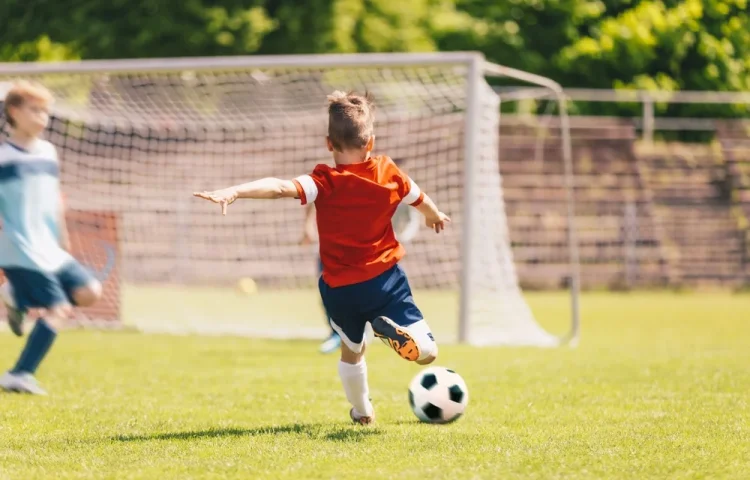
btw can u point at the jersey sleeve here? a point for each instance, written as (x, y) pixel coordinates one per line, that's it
(314, 186)
(414, 195)
(409, 191)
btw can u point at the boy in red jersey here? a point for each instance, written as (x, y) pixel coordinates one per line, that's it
(406, 222)
(362, 281)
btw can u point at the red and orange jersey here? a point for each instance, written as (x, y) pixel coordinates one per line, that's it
(355, 204)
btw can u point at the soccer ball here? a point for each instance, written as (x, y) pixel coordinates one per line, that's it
(438, 395)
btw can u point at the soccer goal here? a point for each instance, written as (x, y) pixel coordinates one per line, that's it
(137, 137)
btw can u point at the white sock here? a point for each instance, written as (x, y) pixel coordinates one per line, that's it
(6, 295)
(354, 379)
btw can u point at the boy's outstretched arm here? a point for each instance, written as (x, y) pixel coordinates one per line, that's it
(266, 188)
(433, 217)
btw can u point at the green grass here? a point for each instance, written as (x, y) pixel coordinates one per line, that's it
(659, 388)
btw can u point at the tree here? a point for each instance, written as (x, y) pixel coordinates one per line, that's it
(692, 44)
(347, 26)
(130, 29)
(666, 44)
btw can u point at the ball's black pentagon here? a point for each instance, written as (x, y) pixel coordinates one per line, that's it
(411, 399)
(433, 412)
(429, 381)
(456, 393)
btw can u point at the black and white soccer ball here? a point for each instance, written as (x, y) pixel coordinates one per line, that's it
(438, 395)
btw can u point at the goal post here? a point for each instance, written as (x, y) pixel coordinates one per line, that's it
(136, 137)
(490, 69)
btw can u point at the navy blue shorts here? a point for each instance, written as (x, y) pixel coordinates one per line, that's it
(352, 306)
(33, 289)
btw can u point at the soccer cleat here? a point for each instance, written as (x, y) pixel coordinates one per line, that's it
(21, 383)
(331, 344)
(361, 419)
(398, 338)
(15, 320)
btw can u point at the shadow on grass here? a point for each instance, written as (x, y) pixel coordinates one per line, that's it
(351, 434)
(316, 431)
(409, 422)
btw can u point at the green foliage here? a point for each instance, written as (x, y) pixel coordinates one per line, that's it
(41, 49)
(146, 28)
(643, 44)
(526, 34)
(689, 45)
(624, 44)
(322, 26)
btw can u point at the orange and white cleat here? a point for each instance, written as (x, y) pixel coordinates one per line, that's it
(398, 338)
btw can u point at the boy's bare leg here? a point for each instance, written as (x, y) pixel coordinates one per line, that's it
(87, 295)
(21, 378)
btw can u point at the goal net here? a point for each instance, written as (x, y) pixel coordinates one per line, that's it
(136, 138)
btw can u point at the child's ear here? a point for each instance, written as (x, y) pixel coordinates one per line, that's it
(13, 111)
(370, 144)
(329, 144)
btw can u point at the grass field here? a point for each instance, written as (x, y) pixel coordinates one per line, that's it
(658, 388)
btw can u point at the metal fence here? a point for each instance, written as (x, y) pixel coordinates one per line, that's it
(648, 121)
(660, 200)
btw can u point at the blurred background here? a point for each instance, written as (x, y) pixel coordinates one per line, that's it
(659, 93)
(621, 44)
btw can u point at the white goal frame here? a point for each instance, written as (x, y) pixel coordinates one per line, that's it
(476, 67)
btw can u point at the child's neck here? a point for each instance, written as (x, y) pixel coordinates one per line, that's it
(348, 158)
(22, 139)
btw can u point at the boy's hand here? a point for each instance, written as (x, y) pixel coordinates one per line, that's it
(437, 222)
(224, 197)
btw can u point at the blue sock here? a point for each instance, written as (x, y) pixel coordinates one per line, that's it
(39, 342)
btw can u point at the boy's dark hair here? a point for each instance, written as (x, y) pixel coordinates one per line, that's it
(350, 120)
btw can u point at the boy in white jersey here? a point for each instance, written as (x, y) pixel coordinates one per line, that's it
(41, 275)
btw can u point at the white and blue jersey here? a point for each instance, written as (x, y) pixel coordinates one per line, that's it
(30, 208)
(41, 272)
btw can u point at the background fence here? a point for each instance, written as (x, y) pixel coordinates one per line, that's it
(661, 200)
